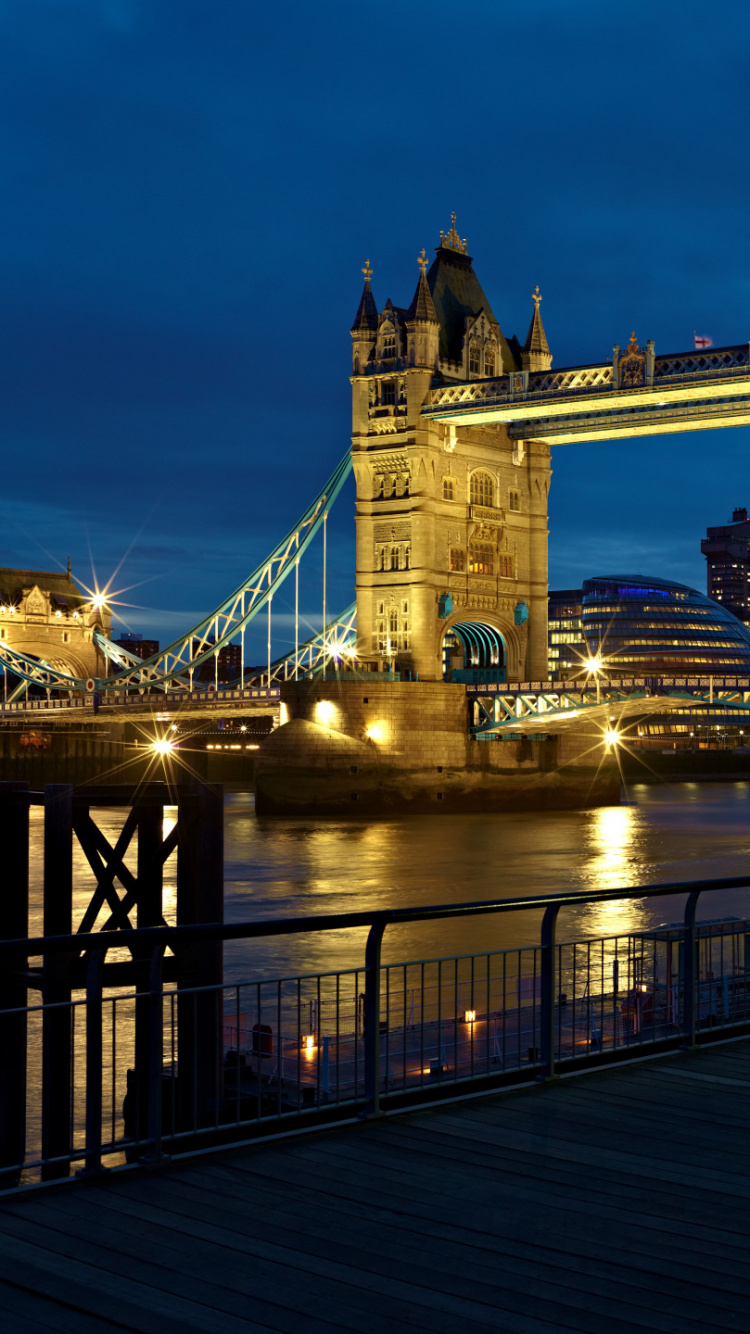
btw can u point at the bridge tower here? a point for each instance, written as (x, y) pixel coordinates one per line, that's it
(451, 521)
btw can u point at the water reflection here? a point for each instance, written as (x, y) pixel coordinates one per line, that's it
(290, 867)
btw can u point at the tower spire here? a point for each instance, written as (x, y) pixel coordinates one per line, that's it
(422, 306)
(535, 355)
(367, 311)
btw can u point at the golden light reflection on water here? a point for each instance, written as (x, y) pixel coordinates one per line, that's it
(613, 861)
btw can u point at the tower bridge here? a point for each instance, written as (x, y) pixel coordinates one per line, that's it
(452, 428)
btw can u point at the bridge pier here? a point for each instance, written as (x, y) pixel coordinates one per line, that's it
(376, 748)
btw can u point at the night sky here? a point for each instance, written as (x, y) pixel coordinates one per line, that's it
(190, 190)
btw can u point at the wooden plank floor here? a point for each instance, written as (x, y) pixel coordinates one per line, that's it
(615, 1203)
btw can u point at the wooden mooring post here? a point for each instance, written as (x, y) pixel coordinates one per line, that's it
(125, 895)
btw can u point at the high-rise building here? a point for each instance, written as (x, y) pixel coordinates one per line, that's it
(727, 552)
(136, 644)
(567, 642)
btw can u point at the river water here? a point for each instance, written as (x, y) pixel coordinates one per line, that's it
(672, 833)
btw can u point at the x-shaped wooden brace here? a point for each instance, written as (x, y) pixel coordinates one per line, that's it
(108, 863)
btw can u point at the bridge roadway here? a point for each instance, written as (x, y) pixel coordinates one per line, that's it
(525, 707)
(157, 704)
(617, 1201)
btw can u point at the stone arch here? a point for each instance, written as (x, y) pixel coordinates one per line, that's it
(61, 658)
(480, 636)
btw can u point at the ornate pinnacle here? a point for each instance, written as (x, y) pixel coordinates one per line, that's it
(451, 240)
(535, 297)
(422, 261)
(368, 272)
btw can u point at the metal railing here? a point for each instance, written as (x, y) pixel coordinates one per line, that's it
(178, 1068)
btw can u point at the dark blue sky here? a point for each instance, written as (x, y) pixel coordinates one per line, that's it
(190, 189)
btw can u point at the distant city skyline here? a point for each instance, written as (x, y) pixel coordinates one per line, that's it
(190, 195)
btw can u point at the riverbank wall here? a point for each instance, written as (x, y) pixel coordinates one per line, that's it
(52, 751)
(390, 748)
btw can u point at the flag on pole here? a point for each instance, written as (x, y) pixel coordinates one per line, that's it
(702, 342)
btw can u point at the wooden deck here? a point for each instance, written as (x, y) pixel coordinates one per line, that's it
(612, 1203)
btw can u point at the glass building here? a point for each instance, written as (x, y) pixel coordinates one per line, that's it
(649, 627)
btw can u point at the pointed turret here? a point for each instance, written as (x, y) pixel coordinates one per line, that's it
(365, 327)
(535, 355)
(422, 323)
(367, 311)
(422, 306)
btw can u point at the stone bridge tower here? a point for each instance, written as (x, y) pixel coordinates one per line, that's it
(44, 614)
(451, 521)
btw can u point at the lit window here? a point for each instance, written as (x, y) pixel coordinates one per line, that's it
(457, 560)
(481, 558)
(482, 489)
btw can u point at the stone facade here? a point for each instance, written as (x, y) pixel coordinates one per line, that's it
(44, 614)
(451, 521)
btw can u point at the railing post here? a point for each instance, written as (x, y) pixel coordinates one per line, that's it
(690, 991)
(549, 973)
(94, 973)
(154, 1127)
(57, 1016)
(14, 925)
(372, 1018)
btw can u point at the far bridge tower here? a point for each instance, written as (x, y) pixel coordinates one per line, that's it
(451, 520)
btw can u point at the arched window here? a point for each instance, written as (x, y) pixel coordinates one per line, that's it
(514, 500)
(381, 558)
(457, 560)
(474, 355)
(481, 558)
(393, 622)
(387, 342)
(379, 486)
(394, 558)
(482, 489)
(406, 483)
(489, 361)
(448, 489)
(407, 557)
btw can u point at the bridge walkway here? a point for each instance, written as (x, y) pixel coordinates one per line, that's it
(617, 1201)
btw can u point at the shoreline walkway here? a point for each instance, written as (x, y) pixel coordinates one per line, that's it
(612, 1202)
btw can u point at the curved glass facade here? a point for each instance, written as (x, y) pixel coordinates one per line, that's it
(648, 627)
